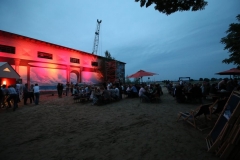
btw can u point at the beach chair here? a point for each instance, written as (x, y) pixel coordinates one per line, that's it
(230, 142)
(217, 108)
(193, 117)
(226, 129)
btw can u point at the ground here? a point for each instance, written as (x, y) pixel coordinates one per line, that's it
(58, 128)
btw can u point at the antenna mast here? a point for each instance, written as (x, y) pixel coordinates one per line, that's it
(96, 39)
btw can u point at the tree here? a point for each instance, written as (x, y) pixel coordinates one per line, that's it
(213, 79)
(170, 6)
(200, 79)
(108, 55)
(127, 80)
(232, 43)
(206, 79)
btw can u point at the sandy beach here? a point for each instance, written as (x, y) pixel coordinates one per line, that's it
(58, 129)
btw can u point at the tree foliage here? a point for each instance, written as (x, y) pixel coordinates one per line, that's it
(213, 79)
(170, 6)
(232, 43)
(206, 79)
(127, 80)
(108, 55)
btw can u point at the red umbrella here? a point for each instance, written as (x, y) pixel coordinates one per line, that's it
(140, 74)
(233, 71)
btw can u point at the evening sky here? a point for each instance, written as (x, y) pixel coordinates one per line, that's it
(183, 44)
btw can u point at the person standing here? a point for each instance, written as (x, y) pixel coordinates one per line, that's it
(31, 94)
(61, 90)
(67, 88)
(18, 88)
(2, 96)
(36, 92)
(12, 95)
(71, 88)
(58, 90)
(25, 94)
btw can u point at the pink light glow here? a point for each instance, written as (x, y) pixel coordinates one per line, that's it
(47, 65)
(47, 76)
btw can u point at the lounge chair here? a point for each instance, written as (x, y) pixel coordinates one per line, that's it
(225, 133)
(231, 141)
(193, 117)
(217, 108)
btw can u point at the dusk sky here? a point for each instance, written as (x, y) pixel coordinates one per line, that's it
(183, 44)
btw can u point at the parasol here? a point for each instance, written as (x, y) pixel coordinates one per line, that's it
(141, 73)
(233, 71)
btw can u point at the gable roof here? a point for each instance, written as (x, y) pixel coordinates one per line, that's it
(7, 71)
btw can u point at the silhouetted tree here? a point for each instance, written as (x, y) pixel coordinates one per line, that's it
(200, 79)
(206, 80)
(127, 80)
(170, 6)
(213, 79)
(108, 55)
(232, 43)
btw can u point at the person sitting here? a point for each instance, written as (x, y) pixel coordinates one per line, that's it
(157, 92)
(128, 90)
(213, 89)
(75, 91)
(97, 96)
(112, 93)
(134, 91)
(116, 92)
(106, 95)
(142, 93)
(230, 85)
(222, 84)
(88, 90)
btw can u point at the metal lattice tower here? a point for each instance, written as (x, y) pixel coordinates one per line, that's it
(96, 39)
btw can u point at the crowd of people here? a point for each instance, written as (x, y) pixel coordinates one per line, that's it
(188, 91)
(99, 94)
(108, 92)
(11, 95)
(146, 92)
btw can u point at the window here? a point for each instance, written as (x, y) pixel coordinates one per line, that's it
(74, 60)
(7, 49)
(45, 55)
(95, 64)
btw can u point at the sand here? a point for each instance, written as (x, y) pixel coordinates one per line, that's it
(58, 129)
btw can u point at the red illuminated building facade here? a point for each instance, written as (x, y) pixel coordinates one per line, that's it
(47, 64)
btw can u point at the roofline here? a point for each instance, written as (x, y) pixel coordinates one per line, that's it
(11, 67)
(36, 40)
